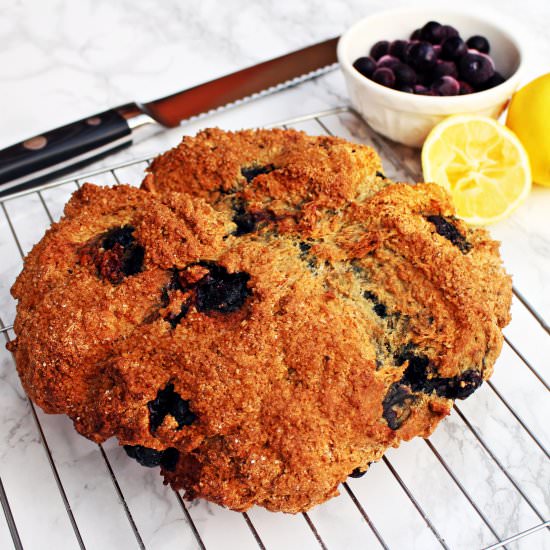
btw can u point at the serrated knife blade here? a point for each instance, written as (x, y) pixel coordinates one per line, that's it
(63, 149)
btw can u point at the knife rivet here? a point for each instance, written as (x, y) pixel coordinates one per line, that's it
(93, 121)
(35, 143)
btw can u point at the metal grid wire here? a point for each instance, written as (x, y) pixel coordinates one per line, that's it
(319, 124)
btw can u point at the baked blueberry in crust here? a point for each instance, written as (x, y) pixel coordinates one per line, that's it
(245, 221)
(116, 254)
(252, 172)
(151, 458)
(216, 291)
(448, 230)
(379, 308)
(168, 402)
(397, 405)
(220, 290)
(175, 318)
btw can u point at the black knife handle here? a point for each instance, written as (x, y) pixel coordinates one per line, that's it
(35, 160)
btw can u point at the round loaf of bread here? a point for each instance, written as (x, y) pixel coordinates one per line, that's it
(263, 319)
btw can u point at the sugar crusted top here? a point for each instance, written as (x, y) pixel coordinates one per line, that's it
(270, 330)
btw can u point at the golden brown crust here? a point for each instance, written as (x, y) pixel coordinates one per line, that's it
(262, 361)
(213, 165)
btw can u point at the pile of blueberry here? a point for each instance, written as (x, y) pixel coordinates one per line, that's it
(434, 61)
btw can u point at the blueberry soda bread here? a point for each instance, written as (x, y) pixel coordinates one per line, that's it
(268, 332)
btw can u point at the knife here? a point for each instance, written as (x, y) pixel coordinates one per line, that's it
(26, 164)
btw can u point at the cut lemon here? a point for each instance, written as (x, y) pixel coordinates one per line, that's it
(529, 118)
(481, 163)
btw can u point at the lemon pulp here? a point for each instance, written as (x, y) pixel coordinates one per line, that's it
(481, 163)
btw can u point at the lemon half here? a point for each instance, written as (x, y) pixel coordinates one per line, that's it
(481, 163)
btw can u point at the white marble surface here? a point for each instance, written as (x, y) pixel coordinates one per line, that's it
(63, 60)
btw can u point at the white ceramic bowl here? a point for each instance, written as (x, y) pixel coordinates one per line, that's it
(408, 118)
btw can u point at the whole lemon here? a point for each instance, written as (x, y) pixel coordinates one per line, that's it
(529, 118)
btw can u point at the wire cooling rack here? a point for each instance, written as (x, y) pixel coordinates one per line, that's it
(481, 481)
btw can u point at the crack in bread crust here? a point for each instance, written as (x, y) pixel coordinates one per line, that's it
(265, 317)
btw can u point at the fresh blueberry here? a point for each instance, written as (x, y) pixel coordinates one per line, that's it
(448, 230)
(396, 406)
(405, 88)
(251, 172)
(365, 65)
(446, 85)
(476, 68)
(432, 32)
(421, 55)
(420, 89)
(479, 43)
(220, 290)
(495, 80)
(453, 48)
(444, 68)
(379, 49)
(465, 88)
(448, 31)
(410, 44)
(168, 402)
(388, 61)
(404, 75)
(398, 48)
(384, 76)
(425, 78)
(415, 35)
